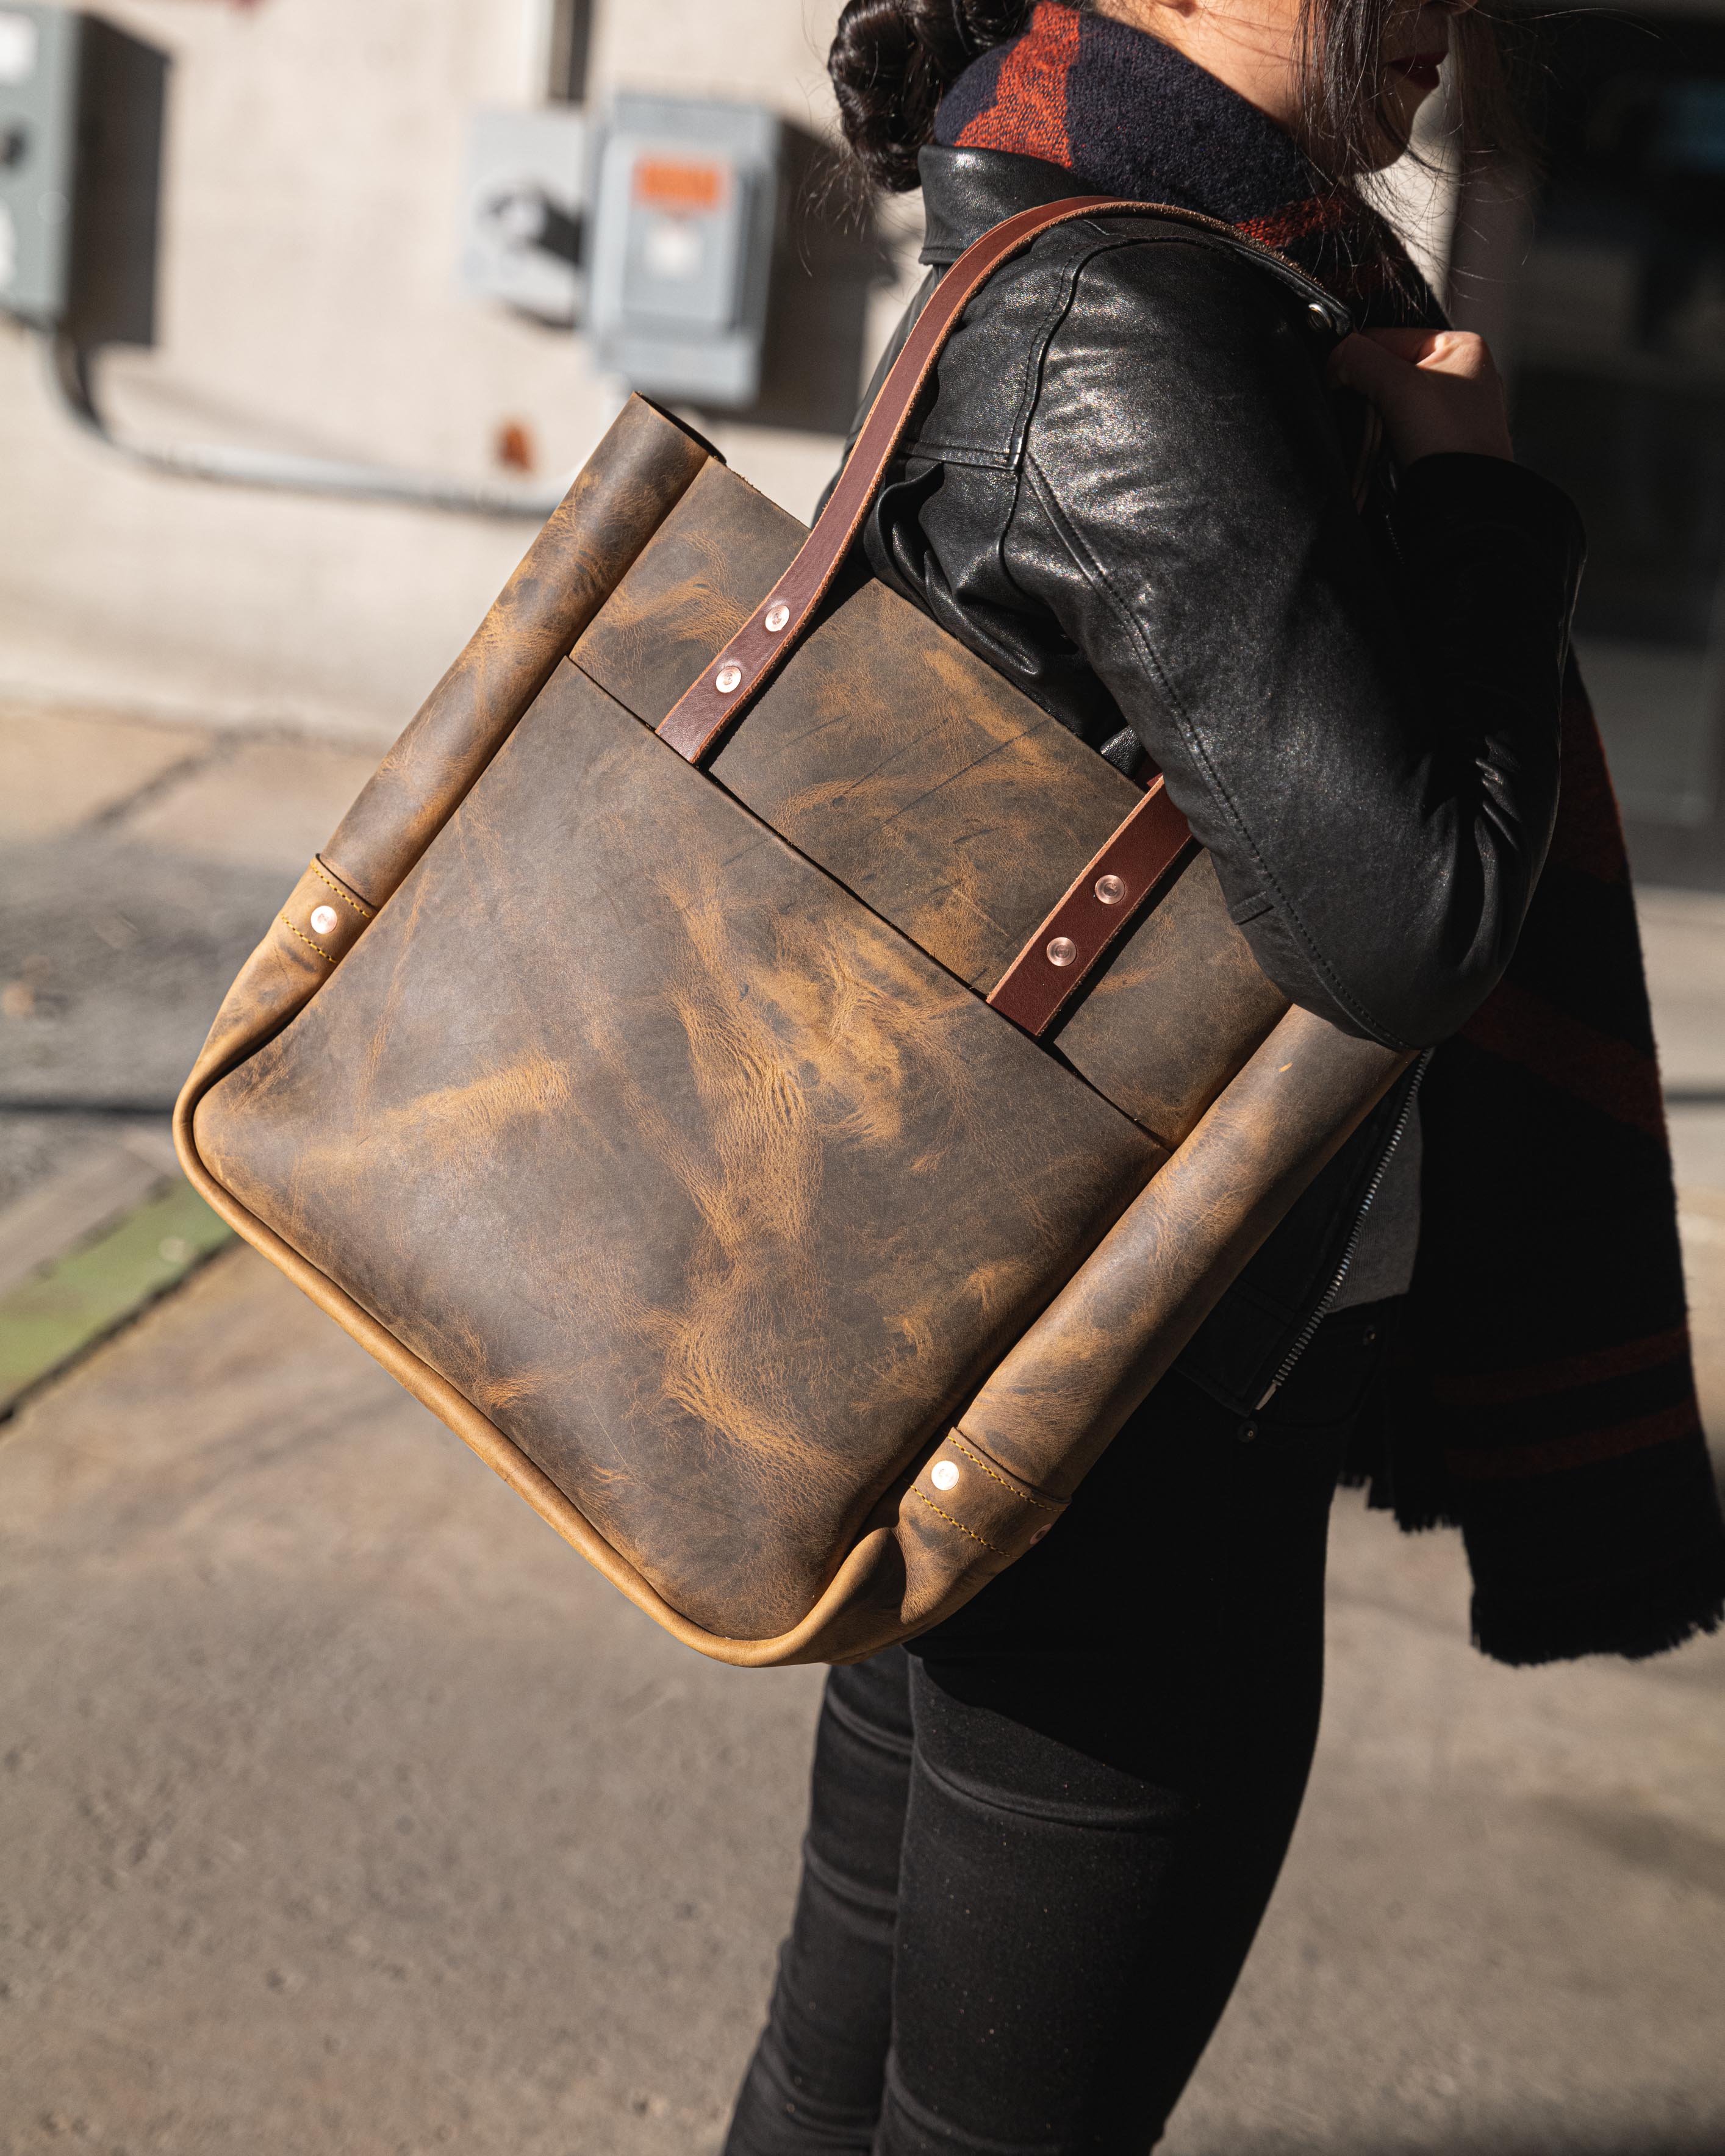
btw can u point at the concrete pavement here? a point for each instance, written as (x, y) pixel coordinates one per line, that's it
(138, 865)
(344, 1811)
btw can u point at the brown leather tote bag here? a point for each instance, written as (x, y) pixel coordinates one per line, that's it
(785, 1151)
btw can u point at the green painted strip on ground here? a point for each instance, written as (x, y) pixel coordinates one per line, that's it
(53, 1318)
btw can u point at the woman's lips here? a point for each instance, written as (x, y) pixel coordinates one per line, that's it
(1421, 70)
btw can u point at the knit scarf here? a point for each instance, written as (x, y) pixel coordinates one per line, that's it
(1541, 1394)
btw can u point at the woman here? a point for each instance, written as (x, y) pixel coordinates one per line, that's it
(1042, 1838)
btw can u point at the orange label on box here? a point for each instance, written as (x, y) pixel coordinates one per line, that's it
(666, 183)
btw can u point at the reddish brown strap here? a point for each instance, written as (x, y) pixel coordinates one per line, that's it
(700, 718)
(1104, 899)
(1101, 904)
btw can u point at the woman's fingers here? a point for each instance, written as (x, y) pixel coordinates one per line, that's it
(1438, 390)
(1409, 345)
(1363, 362)
(1459, 353)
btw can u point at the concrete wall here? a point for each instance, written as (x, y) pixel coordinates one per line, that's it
(313, 185)
(312, 198)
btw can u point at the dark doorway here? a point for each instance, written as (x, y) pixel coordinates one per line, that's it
(1609, 305)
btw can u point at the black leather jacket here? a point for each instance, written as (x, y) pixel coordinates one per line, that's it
(1132, 493)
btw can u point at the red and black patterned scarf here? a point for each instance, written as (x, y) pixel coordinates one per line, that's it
(1542, 1397)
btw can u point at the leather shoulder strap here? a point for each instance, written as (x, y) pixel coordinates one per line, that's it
(1091, 920)
(707, 710)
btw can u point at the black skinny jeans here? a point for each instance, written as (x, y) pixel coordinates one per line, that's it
(1041, 1840)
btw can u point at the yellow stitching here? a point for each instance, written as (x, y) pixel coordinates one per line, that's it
(959, 1524)
(1024, 1497)
(307, 940)
(345, 897)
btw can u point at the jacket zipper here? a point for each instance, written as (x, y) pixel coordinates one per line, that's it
(1326, 1301)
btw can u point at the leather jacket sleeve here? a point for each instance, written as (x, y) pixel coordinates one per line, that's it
(1358, 716)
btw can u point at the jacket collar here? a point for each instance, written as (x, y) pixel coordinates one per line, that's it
(967, 192)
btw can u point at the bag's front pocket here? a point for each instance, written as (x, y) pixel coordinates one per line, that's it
(709, 1189)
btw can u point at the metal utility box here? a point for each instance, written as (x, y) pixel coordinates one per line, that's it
(39, 53)
(81, 111)
(685, 208)
(526, 191)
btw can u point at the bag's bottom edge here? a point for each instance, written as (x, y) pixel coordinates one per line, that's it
(807, 1641)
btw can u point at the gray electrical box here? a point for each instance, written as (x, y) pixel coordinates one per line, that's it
(81, 111)
(526, 189)
(685, 208)
(39, 158)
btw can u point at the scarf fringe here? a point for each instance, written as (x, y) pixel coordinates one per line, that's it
(1414, 1514)
(1394, 1458)
(1648, 1612)
(1635, 1618)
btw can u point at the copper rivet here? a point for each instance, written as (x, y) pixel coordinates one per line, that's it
(943, 1474)
(1062, 951)
(727, 679)
(1111, 889)
(777, 617)
(324, 918)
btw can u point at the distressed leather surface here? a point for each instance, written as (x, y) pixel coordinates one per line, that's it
(937, 792)
(619, 500)
(717, 1215)
(885, 750)
(1176, 1012)
(642, 465)
(1061, 1392)
(684, 1169)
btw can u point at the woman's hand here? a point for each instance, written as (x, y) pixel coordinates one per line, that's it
(1437, 390)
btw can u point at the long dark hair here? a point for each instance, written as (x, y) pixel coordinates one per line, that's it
(892, 60)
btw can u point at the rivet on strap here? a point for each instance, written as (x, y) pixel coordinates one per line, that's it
(705, 712)
(1103, 901)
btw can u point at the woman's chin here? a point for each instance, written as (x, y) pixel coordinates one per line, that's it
(1393, 131)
